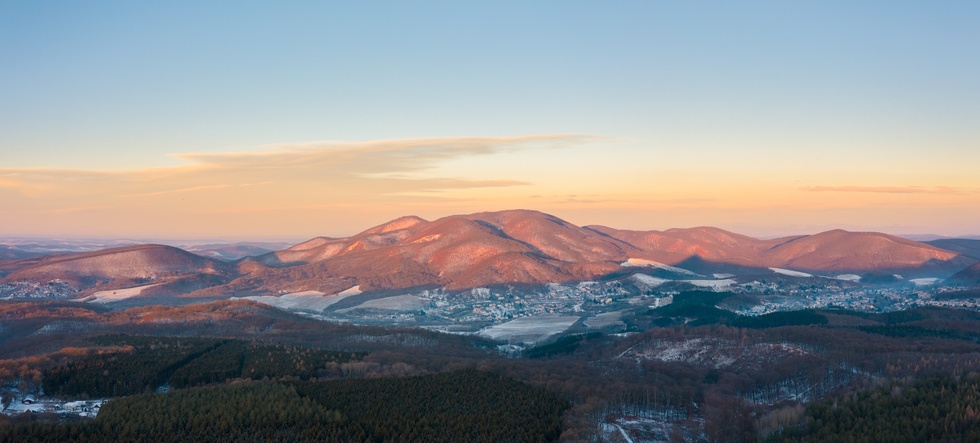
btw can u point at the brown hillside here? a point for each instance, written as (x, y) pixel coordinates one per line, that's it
(130, 262)
(840, 250)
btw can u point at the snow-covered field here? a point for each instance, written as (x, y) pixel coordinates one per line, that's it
(605, 320)
(713, 353)
(353, 290)
(641, 262)
(304, 301)
(117, 294)
(849, 277)
(530, 329)
(924, 281)
(790, 272)
(649, 280)
(397, 303)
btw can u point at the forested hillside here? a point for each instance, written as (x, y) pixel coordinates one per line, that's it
(688, 371)
(140, 364)
(453, 407)
(935, 409)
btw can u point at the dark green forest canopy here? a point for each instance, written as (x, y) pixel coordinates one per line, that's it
(143, 363)
(459, 406)
(606, 377)
(934, 409)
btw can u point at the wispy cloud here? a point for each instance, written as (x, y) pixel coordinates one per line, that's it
(887, 189)
(386, 167)
(309, 180)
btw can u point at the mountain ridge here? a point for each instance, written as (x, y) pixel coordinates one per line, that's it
(514, 247)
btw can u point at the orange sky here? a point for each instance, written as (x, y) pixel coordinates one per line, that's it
(333, 188)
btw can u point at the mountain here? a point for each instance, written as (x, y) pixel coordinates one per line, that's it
(117, 266)
(8, 253)
(235, 251)
(533, 248)
(966, 246)
(455, 252)
(696, 248)
(517, 247)
(841, 251)
(969, 276)
(834, 251)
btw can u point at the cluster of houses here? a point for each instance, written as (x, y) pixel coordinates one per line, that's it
(33, 404)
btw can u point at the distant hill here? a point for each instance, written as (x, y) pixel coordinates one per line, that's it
(112, 267)
(831, 251)
(966, 246)
(236, 251)
(8, 253)
(969, 276)
(840, 250)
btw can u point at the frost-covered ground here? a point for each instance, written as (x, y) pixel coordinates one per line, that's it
(304, 301)
(791, 272)
(530, 330)
(408, 302)
(606, 320)
(117, 294)
(648, 280)
(641, 262)
(650, 426)
(713, 353)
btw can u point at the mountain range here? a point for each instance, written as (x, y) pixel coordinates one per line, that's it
(516, 247)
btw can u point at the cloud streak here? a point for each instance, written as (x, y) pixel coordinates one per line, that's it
(385, 167)
(310, 180)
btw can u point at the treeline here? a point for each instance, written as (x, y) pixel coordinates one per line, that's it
(921, 332)
(466, 405)
(699, 308)
(139, 363)
(146, 363)
(933, 409)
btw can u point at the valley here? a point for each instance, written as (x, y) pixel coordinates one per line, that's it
(679, 335)
(471, 273)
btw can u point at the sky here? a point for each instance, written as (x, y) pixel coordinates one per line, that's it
(288, 120)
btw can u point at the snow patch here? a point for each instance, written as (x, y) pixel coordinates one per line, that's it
(790, 272)
(606, 319)
(722, 275)
(531, 329)
(641, 263)
(848, 277)
(649, 280)
(353, 290)
(303, 300)
(406, 303)
(117, 294)
(305, 293)
(924, 281)
(428, 238)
